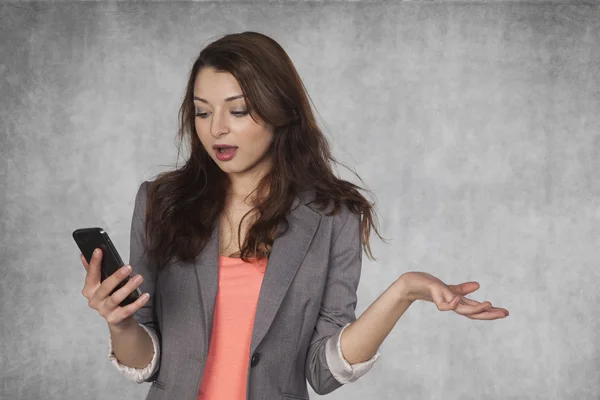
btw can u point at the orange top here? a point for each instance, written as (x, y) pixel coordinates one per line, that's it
(226, 369)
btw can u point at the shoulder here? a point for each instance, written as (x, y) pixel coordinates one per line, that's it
(339, 213)
(145, 189)
(142, 193)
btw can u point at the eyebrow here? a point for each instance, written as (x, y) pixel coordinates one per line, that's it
(227, 99)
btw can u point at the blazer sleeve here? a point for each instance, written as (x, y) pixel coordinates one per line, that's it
(325, 368)
(138, 375)
(145, 316)
(340, 368)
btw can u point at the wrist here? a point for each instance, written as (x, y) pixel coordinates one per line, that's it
(124, 326)
(402, 289)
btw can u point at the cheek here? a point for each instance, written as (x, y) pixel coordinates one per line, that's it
(261, 141)
(257, 148)
(204, 137)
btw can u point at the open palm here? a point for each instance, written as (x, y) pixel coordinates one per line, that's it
(423, 286)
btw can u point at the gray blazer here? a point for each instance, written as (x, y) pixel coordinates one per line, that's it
(307, 296)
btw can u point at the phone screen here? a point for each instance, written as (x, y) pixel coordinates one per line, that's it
(87, 240)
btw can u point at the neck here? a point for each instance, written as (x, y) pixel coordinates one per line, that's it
(245, 191)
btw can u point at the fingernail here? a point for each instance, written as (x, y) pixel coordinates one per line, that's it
(97, 252)
(126, 270)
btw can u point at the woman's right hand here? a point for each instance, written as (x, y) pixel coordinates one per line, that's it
(100, 299)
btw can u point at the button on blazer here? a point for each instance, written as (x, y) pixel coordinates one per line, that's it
(307, 296)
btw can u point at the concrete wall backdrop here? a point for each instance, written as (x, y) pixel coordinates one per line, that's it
(475, 124)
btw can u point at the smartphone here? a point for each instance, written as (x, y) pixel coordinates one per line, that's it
(89, 239)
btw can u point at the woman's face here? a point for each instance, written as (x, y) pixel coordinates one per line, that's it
(221, 118)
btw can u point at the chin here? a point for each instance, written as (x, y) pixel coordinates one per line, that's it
(229, 168)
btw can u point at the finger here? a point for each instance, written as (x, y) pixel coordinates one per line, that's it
(443, 305)
(117, 297)
(466, 309)
(503, 311)
(472, 302)
(84, 261)
(490, 308)
(465, 288)
(120, 313)
(92, 279)
(110, 283)
(490, 314)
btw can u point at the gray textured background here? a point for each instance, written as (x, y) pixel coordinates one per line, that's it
(475, 124)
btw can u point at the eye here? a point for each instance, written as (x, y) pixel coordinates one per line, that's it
(238, 114)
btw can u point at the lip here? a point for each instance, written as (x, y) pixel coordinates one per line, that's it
(222, 146)
(226, 157)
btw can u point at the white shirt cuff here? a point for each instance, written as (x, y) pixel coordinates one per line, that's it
(340, 368)
(136, 374)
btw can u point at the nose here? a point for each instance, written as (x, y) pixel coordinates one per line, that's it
(218, 125)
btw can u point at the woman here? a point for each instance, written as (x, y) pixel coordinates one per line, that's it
(220, 321)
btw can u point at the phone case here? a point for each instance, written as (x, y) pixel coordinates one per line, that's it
(87, 240)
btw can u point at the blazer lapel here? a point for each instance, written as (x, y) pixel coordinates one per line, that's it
(207, 274)
(285, 258)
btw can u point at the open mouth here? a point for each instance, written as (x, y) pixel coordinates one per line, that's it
(225, 153)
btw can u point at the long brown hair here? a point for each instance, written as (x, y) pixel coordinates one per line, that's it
(184, 204)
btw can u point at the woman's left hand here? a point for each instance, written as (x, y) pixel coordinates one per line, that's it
(423, 286)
